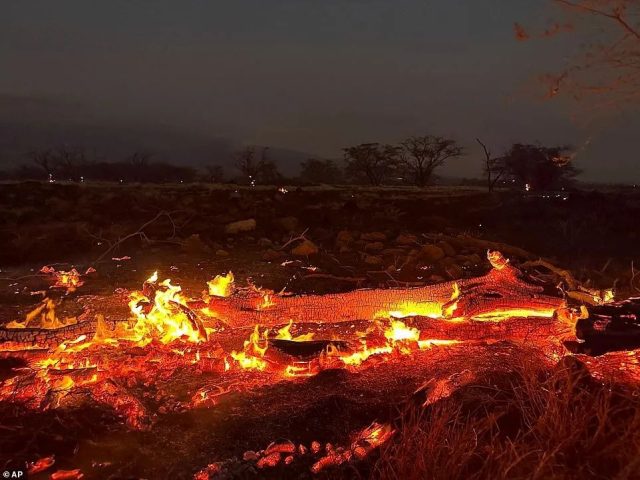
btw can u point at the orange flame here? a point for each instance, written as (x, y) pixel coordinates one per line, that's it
(285, 334)
(251, 356)
(167, 319)
(221, 285)
(43, 316)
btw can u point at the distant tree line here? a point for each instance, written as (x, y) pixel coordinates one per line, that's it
(413, 161)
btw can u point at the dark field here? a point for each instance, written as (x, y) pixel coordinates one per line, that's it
(44, 223)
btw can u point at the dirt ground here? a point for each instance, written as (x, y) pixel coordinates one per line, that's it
(313, 240)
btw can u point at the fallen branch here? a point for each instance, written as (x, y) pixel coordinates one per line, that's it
(571, 282)
(140, 233)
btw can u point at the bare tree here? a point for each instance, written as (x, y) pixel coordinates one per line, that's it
(607, 69)
(371, 161)
(254, 170)
(420, 156)
(246, 163)
(215, 173)
(44, 160)
(494, 167)
(138, 163)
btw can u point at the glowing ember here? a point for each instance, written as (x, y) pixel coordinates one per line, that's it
(400, 332)
(286, 452)
(40, 465)
(425, 309)
(69, 280)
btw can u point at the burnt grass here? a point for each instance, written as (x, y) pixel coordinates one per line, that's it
(496, 428)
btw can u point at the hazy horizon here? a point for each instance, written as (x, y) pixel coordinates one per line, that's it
(304, 76)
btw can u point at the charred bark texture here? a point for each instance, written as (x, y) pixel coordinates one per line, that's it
(610, 327)
(499, 290)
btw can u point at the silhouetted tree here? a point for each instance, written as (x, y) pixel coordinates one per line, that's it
(420, 156)
(269, 173)
(494, 167)
(44, 160)
(320, 171)
(542, 168)
(257, 171)
(214, 173)
(372, 162)
(138, 163)
(608, 65)
(247, 164)
(68, 162)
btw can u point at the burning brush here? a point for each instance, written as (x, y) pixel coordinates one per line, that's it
(315, 457)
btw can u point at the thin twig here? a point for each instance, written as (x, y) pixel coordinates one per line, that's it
(295, 239)
(139, 233)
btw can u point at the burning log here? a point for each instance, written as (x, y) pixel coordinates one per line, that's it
(501, 293)
(42, 337)
(162, 311)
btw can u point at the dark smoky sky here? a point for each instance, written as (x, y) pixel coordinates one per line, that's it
(306, 75)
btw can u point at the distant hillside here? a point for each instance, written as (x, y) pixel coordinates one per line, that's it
(116, 143)
(28, 124)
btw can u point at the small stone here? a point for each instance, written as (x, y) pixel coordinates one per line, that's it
(289, 224)
(373, 247)
(446, 262)
(304, 249)
(432, 253)
(195, 245)
(373, 237)
(393, 252)
(373, 260)
(249, 455)
(447, 248)
(344, 238)
(240, 226)
(475, 259)
(265, 243)
(406, 239)
(272, 255)
(222, 253)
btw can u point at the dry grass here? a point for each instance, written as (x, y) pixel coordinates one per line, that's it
(532, 423)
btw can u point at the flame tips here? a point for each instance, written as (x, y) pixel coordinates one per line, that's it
(221, 285)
